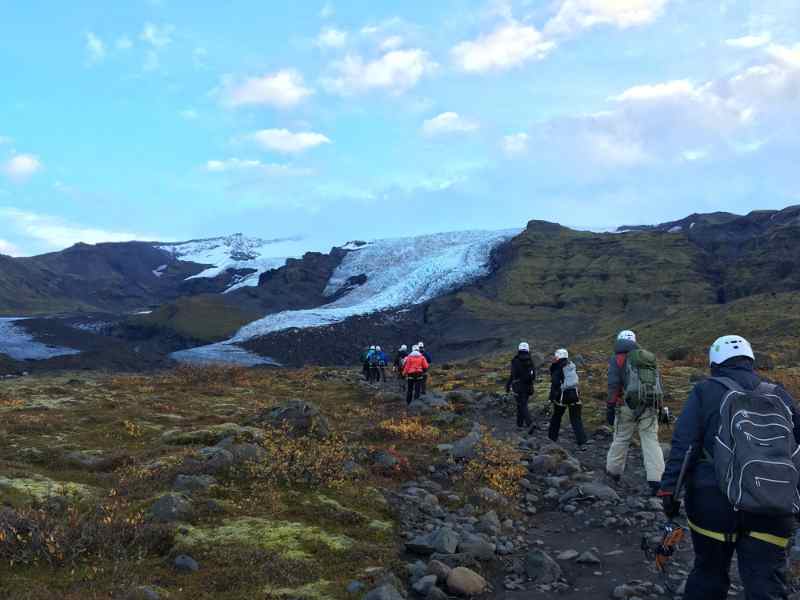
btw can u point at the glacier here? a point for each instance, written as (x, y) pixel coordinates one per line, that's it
(18, 344)
(236, 252)
(400, 272)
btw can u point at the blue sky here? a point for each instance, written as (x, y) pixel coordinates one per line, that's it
(170, 120)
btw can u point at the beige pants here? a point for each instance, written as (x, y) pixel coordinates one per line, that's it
(625, 426)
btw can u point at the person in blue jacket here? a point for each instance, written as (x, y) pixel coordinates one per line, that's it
(760, 541)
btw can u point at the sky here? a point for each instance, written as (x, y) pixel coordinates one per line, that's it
(337, 120)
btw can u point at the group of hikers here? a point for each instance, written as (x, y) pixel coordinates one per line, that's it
(411, 367)
(735, 453)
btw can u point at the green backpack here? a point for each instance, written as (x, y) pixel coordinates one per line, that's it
(642, 382)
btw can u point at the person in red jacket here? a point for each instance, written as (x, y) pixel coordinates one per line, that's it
(414, 369)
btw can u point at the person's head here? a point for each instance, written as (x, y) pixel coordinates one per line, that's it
(729, 347)
(403, 348)
(561, 354)
(378, 348)
(415, 348)
(421, 346)
(372, 347)
(524, 347)
(626, 335)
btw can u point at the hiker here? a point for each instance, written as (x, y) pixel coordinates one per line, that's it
(374, 361)
(521, 380)
(564, 394)
(414, 369)
(421, 346)
(742, 437)
(634, 391)
(365, 362)
(399, 359)
(383, 360)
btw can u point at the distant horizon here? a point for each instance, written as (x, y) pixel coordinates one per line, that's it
(330, 118)
(325, 248)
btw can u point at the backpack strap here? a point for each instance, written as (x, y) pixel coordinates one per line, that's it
(729, 384)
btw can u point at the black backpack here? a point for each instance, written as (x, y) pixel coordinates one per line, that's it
(756, 456)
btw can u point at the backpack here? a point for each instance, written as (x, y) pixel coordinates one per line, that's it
(571, 379)
(756, 456)
(642, 382)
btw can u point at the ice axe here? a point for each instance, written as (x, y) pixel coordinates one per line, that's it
(673, 534)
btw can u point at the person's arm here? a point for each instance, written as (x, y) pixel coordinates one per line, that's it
(510, 378)
(614, 380)
(688, 433)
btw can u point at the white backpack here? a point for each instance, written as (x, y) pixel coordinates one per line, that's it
(571, 380)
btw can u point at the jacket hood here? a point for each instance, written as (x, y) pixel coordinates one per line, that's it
(625, 346)
(741, 370)
(416, 353)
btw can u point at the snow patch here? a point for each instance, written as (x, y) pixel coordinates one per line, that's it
(221, 353)
(160, 270)
(18, 344)
(239, 253)
(676, 229)
(400, 272)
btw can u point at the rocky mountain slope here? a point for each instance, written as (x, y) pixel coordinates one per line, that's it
(467, 293)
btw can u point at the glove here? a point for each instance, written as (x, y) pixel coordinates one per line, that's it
(611, 414)
(672, 507)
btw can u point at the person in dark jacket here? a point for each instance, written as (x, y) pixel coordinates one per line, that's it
(760, 541)
(521, 380)
(564, 399)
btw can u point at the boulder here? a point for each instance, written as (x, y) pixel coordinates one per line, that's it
(464, 448)
(423, 585)
(170, 508)
(193, 483)
(441, 541)
(384, 592)
(490, 523)
(478, 549)
(592, 489)
(541, 568)
(243, 452)
(186, 564)
(439, 569)
(213, 459)
(465, 582)
(298, 417)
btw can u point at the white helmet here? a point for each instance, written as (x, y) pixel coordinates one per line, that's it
(372, 348)
(378, 348)
(561, 353)
(415, 348)
(627, 335)
(524, 347)
(420, 345)
(729, 346)
(403, 348)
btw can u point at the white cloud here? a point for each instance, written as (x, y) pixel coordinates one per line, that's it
(332, 38)
(8, 248)
(694, 155)
(158, 36)
(515, 144)
(448, 123)
(57, 233)
(124, 43)
(287, 142)
(283, 89)
(327, 11)
(749, 41)
(396, 72)
(393, 42)
(510, 45)
(189, 114)
(21, 167)
(574, 16)
(95, 47)
(669, 89)
(268, 169)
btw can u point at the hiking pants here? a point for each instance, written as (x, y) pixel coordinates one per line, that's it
(365, 370)
(625, 426)
(413, 388)
(762, 568)
(524, 418)
(574, 418)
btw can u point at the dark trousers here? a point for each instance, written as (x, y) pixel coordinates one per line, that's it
(424, 384)
(413, 388)
(365, 370)
(524, 418)
(762, 568)
(574, 418)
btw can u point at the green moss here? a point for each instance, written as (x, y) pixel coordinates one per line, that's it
(210, 435)
(310, 591)
(383, 526)
(292, 541)
(20, 491)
